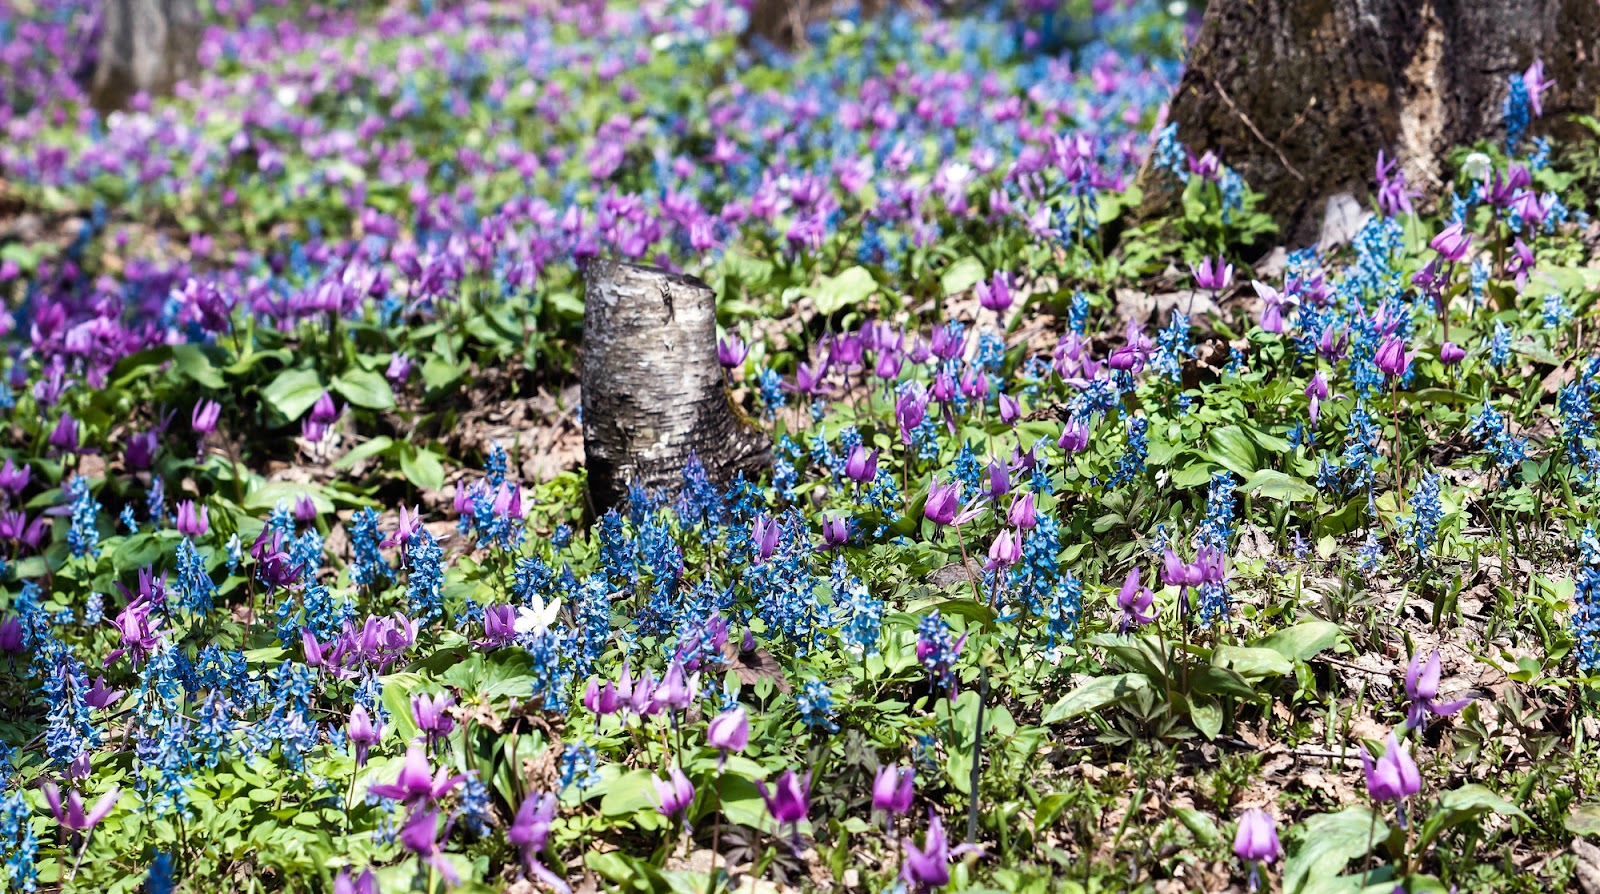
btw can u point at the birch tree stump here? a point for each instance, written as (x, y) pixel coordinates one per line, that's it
(1298, 96)
(142, 46)
(653, 391)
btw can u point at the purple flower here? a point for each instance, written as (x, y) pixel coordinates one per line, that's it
(995, 294)
(414, 784)
(421, 837)
(893, 789)
(835, 531)
(1010, 410)
(910, 408)
(1534, 80)
(731, 351)
(862, 466)
(1206, 167)
(366, 883)
(1257, 838)
(1392, 358)
(603, 701)
(764, 534)
(1422, 687)
(943, 503)
(999, 480)
(73, 818)
(788, 799)
(1022, 514)
(530, 831)
(729, 731)
(1074, 437)
(1331, 345)
(192, 522)
(1452, 242)
(399, 369)
(410, 523)
(1317, 392)
(431, 714)
(305, 509)
(99, 696)
(136, 630)
(1212, 274)
(1005, 551)
(1394, 775)
(1136, 602)
(14, 480)
(363, 733)
(927, 867)
(677, 691)
(11, 636)
(1450, 354)
(141, 450)
(65, 436)
(203, 418)
(1272, 302)
(673, 794)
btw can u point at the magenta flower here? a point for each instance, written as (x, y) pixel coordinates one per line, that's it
(432, 715)
(1392, 358)
(414, 784)
(862, 466)
(677, 691)
(1394, 775)
(673, 794)
(192, 522)
(1331, 345)
(1215, 275)
(1074, 437)
(1452, 242)
(1136, 602)
(14, 480)
(602, 700)
(1005, 551)
(399, 368)
(73, 818)
(363, 733)
(893, 789)
(203, 418)
(927, 867)
(65, 436)
(1422, 687)
(731, 351)
(910, 408)
(11, 636)
(1450, 354)
(995, 294)
(1317, 392)
(764, 536)
(99, 696)
(366, 883)
(1536, 83)
(788, 799)
(729, 732)
(410, 523)
(420, 836)
(530, 831)
(1022, 515)
(1256, 842)
(141, 450)
(835, 531)
(1272, 304)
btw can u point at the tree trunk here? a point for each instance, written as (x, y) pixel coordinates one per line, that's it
(143, 46)
(653, 391)
(1299, 96)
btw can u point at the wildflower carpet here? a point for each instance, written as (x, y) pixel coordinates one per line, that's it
(1096, 553)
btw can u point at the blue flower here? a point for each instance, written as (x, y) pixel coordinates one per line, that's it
(367, 565)
(83, 536)
(815, 702)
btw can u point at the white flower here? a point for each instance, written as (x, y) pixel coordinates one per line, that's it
(538, 617)
(1477, 166)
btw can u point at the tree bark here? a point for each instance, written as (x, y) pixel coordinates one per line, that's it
(1299, 96)
(143, 46)
(653, 391)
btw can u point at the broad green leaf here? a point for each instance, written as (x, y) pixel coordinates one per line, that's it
(365, 388)
(438, 373)
(364, 450)
(1049, 810)
(1199, 824)
(629, 794)
(1194, 474)
(1276, 485)
(962, 275)
(1300, 642)
(193, 361)
(1206, 713)
(421, 468)
(1094, 695)
(1584, 819)
(1231, 447)
(1459, 805)
(292, 392)
(1329, 841)
(1253, 663)
(270, 494)
(850, 287)
(397, 691)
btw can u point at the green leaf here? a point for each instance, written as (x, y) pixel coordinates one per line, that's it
(850, 287)
(292, 392)
(629, 793)
(438, 373)
(1222, 681)
(365, 388)
(1459, 805)
(1049, 810)
(397, 692)
(1200, 825)
(421, 468)
(364, 450)
(1194, 475)
(1253, 663)
(1206, 714)
(1584, 819)
(1329, 842)
(1231, 447)
(270, 494)
(192, 361)
(962, 275)
(1094, 695)
(1284, 488)
(1302, 641)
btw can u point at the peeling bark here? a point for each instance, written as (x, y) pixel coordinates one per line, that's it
(653, 391)
(142, 46)
(1298, 96)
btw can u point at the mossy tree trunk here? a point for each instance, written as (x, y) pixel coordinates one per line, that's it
(1299, 96)
(653, 390)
